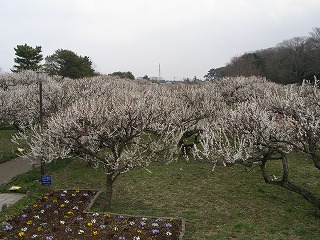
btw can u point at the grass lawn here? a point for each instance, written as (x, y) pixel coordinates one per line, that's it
(8, 149)
(229, 203)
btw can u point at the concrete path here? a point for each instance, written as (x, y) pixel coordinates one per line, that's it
(9, 170)
(14, 167)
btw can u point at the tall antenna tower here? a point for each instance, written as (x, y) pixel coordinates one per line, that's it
(159, 72)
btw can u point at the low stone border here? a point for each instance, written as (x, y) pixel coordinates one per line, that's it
(7, 199)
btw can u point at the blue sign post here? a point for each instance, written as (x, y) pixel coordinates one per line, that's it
(46, 180)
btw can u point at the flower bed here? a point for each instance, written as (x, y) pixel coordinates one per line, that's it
(60, 215)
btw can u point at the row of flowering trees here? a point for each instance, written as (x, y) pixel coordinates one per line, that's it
(119, 124)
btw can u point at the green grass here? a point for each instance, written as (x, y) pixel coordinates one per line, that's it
(8, 149)
(229, 203)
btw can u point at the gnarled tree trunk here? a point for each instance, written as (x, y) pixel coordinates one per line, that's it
(285, 183)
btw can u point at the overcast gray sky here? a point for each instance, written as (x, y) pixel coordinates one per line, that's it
(187, 37)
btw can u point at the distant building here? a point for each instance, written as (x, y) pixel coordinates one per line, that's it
(156, 78)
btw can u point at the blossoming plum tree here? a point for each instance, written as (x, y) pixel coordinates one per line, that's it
(19, 106)
(19, 96)
(302, 105)
(129, 128)
(266, 128)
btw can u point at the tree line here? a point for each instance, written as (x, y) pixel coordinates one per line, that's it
(289, 62)
(62, 62)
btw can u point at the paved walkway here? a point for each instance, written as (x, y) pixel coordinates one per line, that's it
(14, 167)
(8, 171)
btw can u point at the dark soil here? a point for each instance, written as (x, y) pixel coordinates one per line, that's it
(60, 215)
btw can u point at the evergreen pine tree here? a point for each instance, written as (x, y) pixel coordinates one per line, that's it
(27, 58)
